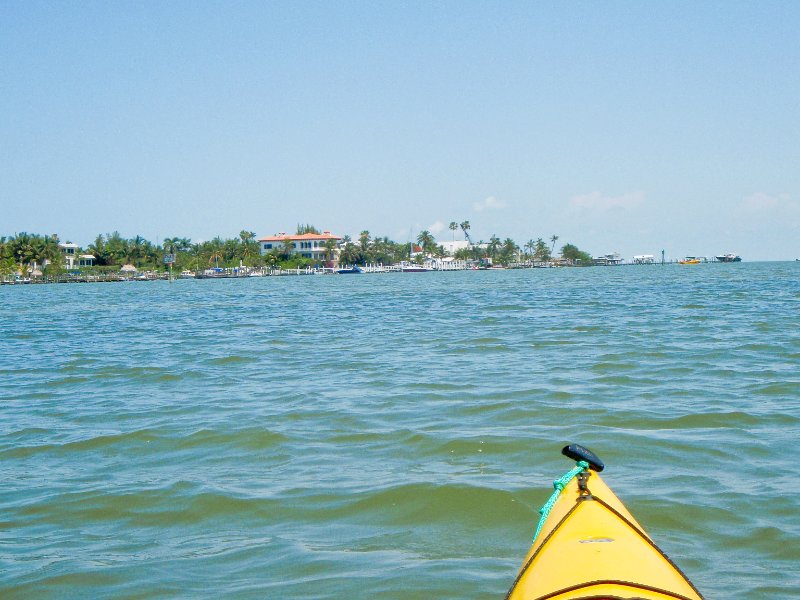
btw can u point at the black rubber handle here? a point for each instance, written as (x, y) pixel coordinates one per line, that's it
(577, 452)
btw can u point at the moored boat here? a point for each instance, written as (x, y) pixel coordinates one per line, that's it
(689, 260)
(588, 546)
(407, 267)
(354, 270)
(727, 258)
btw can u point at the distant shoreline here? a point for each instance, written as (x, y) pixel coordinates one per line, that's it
(248, 273)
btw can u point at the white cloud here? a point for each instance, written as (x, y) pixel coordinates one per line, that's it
(598, 202)
(762, 204)
(491, 203)
(436, 227)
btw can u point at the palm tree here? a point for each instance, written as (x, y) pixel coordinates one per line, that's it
(49, 251)
(136, 246)
(288, 247)
(494, 244)
(426, 240)
(541, 253)
(23, 250)
(98, 249)
(349, 254)
(248, 246)
(453, 227)
(117, 248)
(465, 227)
(363, 239)
(553, 239)
(509, 251)
(330, 251)
(529, 246)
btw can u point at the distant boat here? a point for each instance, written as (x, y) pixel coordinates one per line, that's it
(689, 260)
(351, 271)
(407, 267)
(728, 258)
(213, 273)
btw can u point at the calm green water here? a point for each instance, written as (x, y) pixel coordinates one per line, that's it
(392, 436)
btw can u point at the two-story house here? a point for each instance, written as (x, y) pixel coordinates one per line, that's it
(307, 245)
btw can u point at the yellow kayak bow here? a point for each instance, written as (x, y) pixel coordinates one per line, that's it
(589, 547)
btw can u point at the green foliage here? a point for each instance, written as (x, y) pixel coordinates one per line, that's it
(428, 243)
(508, 252)
(112, 250)
(571, 252)
(540, 251)
(53, 268)
(301, 229)
(25, 249)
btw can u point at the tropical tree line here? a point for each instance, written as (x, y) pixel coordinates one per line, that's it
(111, 251)
(504, 252)
(21, 252)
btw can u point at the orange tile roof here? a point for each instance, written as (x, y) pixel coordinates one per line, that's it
(280, 237)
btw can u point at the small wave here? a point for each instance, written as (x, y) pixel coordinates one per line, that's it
(790, 389)
(609, 367)
(704, 420)
(507, 308)
(233, 360)
(157, 440)
(252, 438)
(625, 380)
(177, 504)
(70, 380)
(425, 503)
(139, 374)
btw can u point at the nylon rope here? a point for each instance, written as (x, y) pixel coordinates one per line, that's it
(559, 485)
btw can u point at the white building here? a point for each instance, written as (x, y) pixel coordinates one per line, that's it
(71, 256)
(609, 259)
(452, 247)
(307, 245)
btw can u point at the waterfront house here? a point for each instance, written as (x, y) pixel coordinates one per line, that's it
(70, 252)
(72, 258)
(612, 259)
(86, 260)
(450, 248)
(306, 245)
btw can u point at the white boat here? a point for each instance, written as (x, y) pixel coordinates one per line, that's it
(730, 257)
(407, 267)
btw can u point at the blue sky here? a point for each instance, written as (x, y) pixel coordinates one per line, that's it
(618, 126)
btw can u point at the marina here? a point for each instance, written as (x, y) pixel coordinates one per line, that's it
(424, 264)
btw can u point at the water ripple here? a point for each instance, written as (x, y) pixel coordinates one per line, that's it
(303, 437)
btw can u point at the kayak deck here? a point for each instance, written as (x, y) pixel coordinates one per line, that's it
(591, 547)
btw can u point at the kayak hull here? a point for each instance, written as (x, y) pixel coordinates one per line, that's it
(591, 547)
